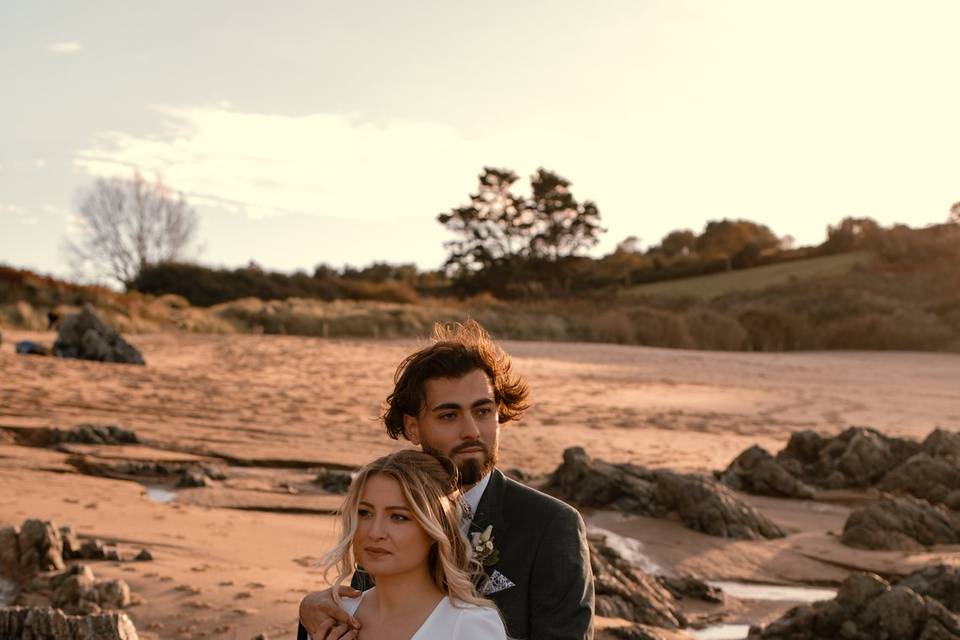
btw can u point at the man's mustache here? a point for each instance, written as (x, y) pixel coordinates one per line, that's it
(475, 444)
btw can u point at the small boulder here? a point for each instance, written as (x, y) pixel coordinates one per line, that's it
(40, 546)
(31, 348)
(901, 524)
(86, 336)
(334, 480)
(113, 594)
(756, 471)
(144, 556)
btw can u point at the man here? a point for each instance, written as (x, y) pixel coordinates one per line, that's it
(450, 399)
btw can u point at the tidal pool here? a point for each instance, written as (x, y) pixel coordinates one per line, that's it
(160, 494)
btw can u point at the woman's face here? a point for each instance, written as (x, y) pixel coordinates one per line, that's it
(388, 540)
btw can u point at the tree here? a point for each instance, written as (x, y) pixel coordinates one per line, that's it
(680, 242)
(129, 224)
(494, 227)
(563, 227)
(955, 213)
(852, 233)
(724, 238)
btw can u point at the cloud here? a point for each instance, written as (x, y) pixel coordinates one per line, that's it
(20, 214)
(330, 165)
(65, 47)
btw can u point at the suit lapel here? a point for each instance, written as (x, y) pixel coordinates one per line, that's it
(490, 507)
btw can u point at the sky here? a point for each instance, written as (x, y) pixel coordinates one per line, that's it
(331, 132)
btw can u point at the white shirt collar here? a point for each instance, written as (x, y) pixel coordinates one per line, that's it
(473, 495)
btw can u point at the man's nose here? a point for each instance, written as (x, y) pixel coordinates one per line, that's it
(468, 428)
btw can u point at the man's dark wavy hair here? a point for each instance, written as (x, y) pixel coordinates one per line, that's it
(457, 350)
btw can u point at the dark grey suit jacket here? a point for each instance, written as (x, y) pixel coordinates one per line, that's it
(542, 548)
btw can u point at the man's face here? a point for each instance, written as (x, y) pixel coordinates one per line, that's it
(459, 420)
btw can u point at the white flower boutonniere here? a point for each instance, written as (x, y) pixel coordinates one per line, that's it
(483, 549)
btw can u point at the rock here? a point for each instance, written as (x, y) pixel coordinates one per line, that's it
(941, 582)
(690, 587)
(74, 587)
(31, 348)
(623, 591)
(50, 624)
(756, 471)
(942, 444)
(71, 543)
(334, 480)
(40, 546)
(595, 483)
(97, 434)
(856, 458)
(85, 336)
(704, 504)
(866, 608)
(923, 476)
(9, 550)
(113, 594)
(144, 556)
(194, 478)
(638, 632)
(901, 524)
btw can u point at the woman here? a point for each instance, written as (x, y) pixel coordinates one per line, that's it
(401, 523)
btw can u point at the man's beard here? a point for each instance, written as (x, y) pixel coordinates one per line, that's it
(472, 470)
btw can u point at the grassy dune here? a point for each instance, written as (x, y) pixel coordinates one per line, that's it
(756, 279)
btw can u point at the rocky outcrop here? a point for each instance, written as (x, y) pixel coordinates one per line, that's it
(46, 624)
(904, 524)
(941, 582)
(77, 591)
(85, 336)
(81, 434)
(866, 608)
(935, 479)
(856, 458)
(756, 471)
(702, 503)
(623, 591)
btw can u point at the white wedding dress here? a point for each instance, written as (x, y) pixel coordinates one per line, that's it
(463, 622)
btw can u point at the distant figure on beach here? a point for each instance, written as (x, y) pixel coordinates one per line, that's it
(450, 399)
(401, 522)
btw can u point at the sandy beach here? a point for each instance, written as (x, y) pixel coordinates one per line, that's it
(232, 560)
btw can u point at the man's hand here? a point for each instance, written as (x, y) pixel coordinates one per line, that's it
(324, 620)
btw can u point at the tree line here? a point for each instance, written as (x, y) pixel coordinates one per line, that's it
(138, 233)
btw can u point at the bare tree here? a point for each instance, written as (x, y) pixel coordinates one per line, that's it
(129, 223)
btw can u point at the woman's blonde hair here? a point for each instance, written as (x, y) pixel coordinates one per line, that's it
(429, 485)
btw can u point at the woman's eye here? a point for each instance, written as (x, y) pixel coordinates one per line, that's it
(363, 513)
(398, 517)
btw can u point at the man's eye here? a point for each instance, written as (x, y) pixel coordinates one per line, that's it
(484, 411)
(447, 416)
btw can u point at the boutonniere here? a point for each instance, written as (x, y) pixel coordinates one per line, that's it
(483, 550)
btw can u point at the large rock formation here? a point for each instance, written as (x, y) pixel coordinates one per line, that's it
(904, 523)
(51, 624)
(866, 608)
(85, 336)
(941, 582)
(756, 471)
(702, 503)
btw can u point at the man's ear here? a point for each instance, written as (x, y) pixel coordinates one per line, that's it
(411, 429)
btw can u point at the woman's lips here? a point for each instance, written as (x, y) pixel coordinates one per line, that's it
(376, 552)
